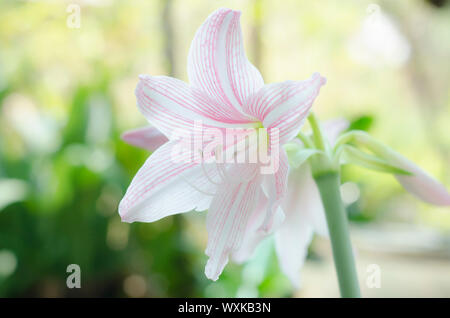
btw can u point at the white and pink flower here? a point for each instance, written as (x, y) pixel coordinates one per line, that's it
(225, 91)
(245, 204)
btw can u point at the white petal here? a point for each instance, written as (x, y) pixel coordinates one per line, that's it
(253, 232)
(303, 196)
(274, 187)
(167, 184)
(217, 63)
(284, 106)
(174, 107)
(304, 216)
(291, 243)
(226, 221)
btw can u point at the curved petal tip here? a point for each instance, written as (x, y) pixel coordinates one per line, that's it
(227, 10)
(148, 138)
(317, 77)
(144, 76)
(422, 185)
(211, 271)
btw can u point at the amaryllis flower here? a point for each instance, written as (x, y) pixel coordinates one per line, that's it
(302, 205)
(225, 91)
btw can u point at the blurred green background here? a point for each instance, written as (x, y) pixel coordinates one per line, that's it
(66, 95)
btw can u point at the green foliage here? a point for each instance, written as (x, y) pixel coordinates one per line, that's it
(364, 122)
(66, 95)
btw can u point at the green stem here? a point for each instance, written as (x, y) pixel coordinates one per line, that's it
(325, 171)
(305, 139)
(329, 185)
(318, 138)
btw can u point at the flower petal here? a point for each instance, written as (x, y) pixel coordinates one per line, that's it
(304, 216)
(226, 221)
(275, 186)
(253, 234)
(217, 63)
(168, 183)
(421, 184)
(285, 105)
(147, 137)
(333, 128)
(291, 244)
(303, 197)
(172, 106)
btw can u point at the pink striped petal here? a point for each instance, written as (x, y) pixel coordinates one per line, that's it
(168, 183)
(285, 105)
(148, 138)
(226, 222)
(421, 184)
(304, 216)
(171, 106)
(217, 63)
(254, 234)
(275, 186)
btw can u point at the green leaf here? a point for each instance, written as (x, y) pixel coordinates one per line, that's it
(361, 123)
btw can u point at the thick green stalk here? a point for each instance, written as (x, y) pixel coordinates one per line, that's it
(325, 169)
(329, 185)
